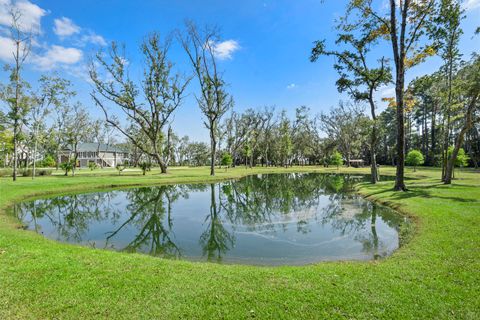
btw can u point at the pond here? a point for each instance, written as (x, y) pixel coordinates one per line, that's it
(274, 219)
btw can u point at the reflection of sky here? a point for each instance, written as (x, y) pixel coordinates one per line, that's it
(332, 228)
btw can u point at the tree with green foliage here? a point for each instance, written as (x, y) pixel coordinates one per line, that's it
(67, 166)
(414, 158)
(148, 105)
(145, 166)
(15, 93)
(404, 25)
(285, 139)
(468, 82)
(446, 32)
(226, 160)
(358, 76)
(336, 159)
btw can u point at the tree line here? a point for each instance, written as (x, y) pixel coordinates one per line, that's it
(435, 114)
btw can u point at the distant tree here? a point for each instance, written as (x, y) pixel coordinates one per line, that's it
(148, 105)
(446, 32)
(226, 160)
(285, 139)
(468, 81)
(346, 125)
(214, 101)
(462, 157)
(14, 94)
(77, 129)
(336, 159)
(120, 168)
(54, 92)
(145, 166)
(415, 158)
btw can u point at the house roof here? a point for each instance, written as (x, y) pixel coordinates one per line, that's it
(93, 147)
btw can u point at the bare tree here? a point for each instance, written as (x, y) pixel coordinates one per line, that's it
(214, 101)
(149, 105)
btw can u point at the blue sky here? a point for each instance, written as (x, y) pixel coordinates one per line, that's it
(265, 59)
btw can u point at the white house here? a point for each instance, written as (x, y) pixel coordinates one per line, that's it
(103, 155)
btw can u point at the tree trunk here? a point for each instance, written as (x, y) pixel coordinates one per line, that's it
(399, 179)
(34, 154)
(459, 141)
(15, 149)
(373, 146)
(213, 149)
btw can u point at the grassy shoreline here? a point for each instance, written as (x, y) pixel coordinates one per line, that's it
(434, 276)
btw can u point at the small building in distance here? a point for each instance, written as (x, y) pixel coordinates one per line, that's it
(103, 155)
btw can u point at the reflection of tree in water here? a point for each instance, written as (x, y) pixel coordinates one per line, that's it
(216, 240)
(261, 203)
(256, 200)
(70, 215)
(148, 209)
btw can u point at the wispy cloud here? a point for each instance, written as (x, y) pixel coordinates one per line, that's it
(224, 50)
(93, 38)
(31, 15)
(471, 4)
(65, 27)
(291, 86)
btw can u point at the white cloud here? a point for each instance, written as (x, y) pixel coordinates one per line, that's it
(93, 38)
(30, 15)
(291, 86)
(471, 4)
(65, 27)
(57, 56)
(224, 50)
(7, 48)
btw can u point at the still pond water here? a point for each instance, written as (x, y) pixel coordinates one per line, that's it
(276, 219)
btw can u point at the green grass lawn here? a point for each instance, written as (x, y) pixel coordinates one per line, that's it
(436, 275)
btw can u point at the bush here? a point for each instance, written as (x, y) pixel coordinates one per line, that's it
(40, 172)
(414, 158)
(48, 161)
(6, 172)
(92, 166)
(27, 172)
(43, 172)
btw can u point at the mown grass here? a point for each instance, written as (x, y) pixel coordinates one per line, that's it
(436, 275)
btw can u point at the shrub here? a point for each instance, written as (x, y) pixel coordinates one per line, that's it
(414, 158)
(40, 172)
(27, 172)
(43, 172)
(336, 159)
(48, 161)
(92, 165)
(6, 172)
